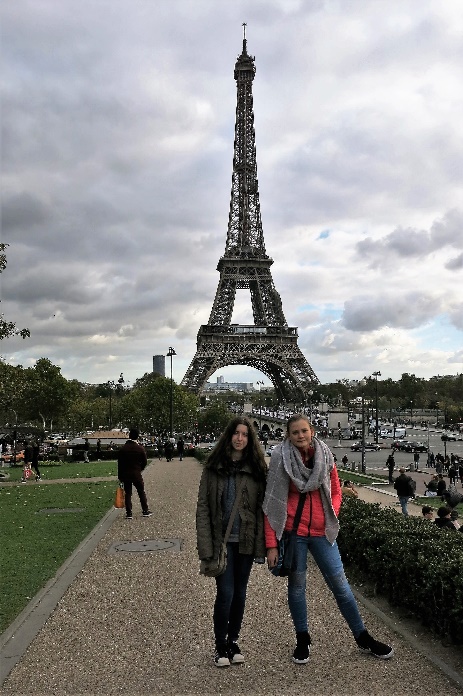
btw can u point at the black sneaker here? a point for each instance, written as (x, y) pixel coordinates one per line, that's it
(129, 517)
(148, 513)
(301, 652)
(234, 654)
(367, 644)
(221, 658)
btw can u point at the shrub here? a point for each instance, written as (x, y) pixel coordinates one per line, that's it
(409, 560)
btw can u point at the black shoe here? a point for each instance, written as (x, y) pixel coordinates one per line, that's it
(367, 644)
(148, 513)
(129, 517)
(301, 652)
(234, 654)
(221, 658)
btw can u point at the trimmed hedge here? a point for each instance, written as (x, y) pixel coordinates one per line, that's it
(410, 560)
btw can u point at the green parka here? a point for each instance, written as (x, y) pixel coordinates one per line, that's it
(209, 513)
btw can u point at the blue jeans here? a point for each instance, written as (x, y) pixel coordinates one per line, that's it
(328, 559)
(231, 595)
(403, 501)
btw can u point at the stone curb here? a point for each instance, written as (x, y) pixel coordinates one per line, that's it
(15, 640)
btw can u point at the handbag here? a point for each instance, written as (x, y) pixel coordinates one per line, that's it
(213, 567)
(287, 544)
(119, 500)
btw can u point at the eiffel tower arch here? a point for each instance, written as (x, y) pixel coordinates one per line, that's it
(269, 345)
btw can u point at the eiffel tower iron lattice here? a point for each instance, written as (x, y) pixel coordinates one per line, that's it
(270, 345)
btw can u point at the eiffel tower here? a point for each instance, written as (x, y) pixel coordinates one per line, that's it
(270, 345)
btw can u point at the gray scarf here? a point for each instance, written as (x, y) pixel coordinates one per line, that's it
(286, 464)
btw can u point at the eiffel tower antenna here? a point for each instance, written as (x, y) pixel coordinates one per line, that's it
(269, 345)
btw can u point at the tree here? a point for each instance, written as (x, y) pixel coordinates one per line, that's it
(47, 394)
(214, 418)
(11, 389)
(8, 328)
(147, 405)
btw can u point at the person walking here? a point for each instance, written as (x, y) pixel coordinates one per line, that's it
(86, 449)
(235, 472)
(35, 459)
(390, 463)
(404, 487)
(302, 475)
(452, 475)
(181, 448)
(131, 462)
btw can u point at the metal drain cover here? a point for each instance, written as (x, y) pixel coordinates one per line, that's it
(146, 546)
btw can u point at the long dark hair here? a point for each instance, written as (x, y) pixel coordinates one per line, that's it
(221, 455)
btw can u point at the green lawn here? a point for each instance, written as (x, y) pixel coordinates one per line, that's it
(35, 544)
(56, 470)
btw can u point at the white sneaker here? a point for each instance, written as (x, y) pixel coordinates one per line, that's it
(221, 656)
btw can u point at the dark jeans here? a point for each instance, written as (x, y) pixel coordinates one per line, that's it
(231, 595)
(137, 480)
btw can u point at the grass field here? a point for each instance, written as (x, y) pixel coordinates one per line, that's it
(34, 542)
(55, 470)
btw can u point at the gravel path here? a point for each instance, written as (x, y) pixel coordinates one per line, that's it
(140, 623)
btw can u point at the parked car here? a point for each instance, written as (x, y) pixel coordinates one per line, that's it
(414, 447)
(399, 445)
(370, 446)
(8, 458)
(449, 437)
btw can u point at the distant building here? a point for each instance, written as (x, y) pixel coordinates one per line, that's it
(228, 386)
(159, 365)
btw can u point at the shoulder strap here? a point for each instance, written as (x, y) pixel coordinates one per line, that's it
(239, 490)
(298, 515)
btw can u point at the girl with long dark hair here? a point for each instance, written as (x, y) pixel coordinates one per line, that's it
(236, 464)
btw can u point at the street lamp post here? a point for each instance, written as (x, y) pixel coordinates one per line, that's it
(364, 466)
(376, 375)
(110, 385)
(170, 354)
(261, 384)
(15, 436)
(310, 394)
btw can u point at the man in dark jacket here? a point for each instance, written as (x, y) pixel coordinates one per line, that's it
(404, 486)
(443, 519)
(131, 461)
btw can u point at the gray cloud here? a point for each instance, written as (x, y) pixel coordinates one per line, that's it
(117, 150)
(408, 311)
(412, 243)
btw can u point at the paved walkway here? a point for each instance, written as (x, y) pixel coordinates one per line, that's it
(140, 623)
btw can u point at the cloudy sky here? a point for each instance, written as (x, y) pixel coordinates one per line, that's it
(117, 146)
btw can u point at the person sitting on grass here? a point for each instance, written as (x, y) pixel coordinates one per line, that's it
(431, 487)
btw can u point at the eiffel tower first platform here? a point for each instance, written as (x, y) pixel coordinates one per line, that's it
(270, 345)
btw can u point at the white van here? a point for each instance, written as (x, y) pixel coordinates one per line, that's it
(400, 433)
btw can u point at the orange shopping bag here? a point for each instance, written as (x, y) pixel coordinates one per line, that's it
(119, 501)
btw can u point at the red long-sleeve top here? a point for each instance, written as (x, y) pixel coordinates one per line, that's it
(313, 517)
